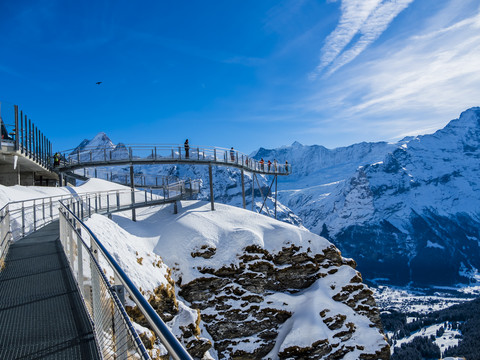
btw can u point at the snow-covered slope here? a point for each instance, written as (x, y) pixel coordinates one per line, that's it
(263, 288)
(405, 212)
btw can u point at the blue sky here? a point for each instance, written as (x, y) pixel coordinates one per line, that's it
(240, 73)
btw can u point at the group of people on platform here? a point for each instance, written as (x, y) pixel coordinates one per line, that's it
(247, 161)
(269, 165)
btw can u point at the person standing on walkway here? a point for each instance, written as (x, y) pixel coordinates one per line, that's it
(232, 154)
(187, 149)
(56, 159)
(262, 167)
(269, 165)
(275, 165)
(286, 166)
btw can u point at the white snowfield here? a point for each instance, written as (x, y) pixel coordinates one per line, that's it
(160, 242)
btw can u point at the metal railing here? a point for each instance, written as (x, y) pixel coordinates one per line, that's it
(19, 218)
(116, 336)
(5, 234)
(164, 153)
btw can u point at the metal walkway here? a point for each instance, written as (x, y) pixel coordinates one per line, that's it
(42, 315)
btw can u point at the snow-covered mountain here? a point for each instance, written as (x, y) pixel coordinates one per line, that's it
(405, 212)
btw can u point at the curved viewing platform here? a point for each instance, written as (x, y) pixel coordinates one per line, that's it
(167, 154)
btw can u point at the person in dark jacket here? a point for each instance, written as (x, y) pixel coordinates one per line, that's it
(56, 159)
(187, 149)
(232, 154)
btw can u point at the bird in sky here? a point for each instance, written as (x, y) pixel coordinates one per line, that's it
(98, 82)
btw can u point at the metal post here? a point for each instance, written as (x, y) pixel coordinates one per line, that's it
(30, 137)
(276, 176)
(23, 219)
(80, 263)
(34, 217)
(22, 137)
(118, 200)
(163, 186)
(96, 296)
(17, 138)
(121, 340)
(43, 209)
(243, 189)
(26, 140)
(89, 208)
(175, 208)
(36, 143)
(132, 185)
(211, 186)
(96, 203)
(51, 208)
(253, 189)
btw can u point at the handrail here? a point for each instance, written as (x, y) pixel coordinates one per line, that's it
(172, 344)
(163, 153)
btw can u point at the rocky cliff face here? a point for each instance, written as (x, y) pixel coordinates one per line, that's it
(246, 307)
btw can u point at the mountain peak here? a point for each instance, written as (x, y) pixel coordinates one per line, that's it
(296, 144)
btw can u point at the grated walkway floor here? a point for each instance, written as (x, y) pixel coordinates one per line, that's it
(41, 313)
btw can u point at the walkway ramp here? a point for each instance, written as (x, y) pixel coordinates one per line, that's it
(42, 315)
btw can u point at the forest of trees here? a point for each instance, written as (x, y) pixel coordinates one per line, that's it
(465, 317)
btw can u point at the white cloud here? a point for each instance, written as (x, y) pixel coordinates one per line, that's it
(361, 23)
(419, 83)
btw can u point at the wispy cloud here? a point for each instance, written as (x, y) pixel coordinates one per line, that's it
(361, 23)
(424, 81)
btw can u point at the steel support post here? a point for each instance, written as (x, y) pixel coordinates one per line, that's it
(96, 295)
(80, 264)
(253, 190)
(276, 176)
(132, 185)
(23, 219)
(17, 137)
(30, 137)
(121, 339)
(210, 177)
(34, 217)
(22, 136)
(243, 189)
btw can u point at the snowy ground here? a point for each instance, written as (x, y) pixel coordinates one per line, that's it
(448, 339)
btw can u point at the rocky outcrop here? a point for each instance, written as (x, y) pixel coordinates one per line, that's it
(244, 316)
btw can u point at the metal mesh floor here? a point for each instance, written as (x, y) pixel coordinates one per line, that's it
(41, 313)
